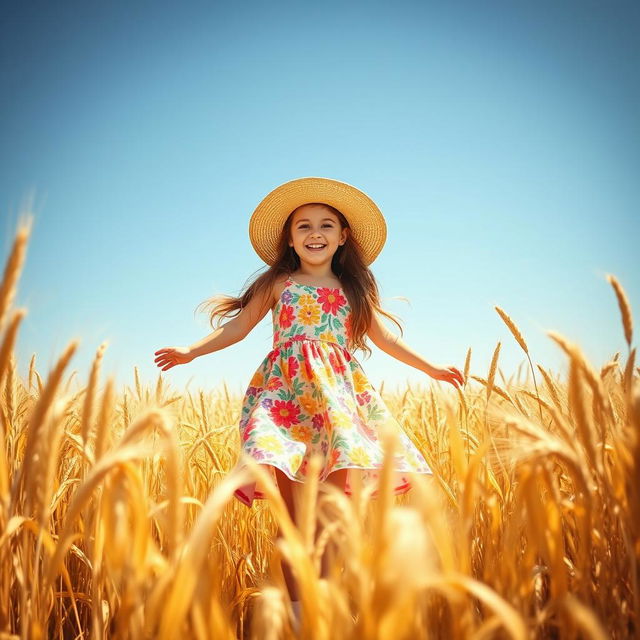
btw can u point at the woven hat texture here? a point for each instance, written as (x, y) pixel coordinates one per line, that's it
(368, 226)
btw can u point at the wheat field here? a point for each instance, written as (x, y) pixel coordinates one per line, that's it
(117, 515)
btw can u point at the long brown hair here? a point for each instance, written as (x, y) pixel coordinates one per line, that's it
(347, 264)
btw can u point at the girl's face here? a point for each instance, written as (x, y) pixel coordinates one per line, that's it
(315, 225)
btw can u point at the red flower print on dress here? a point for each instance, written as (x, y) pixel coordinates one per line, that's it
(307, 369)
(249, 427)
(327, 422)
(364, 397)
(274, 383)
(292, 366)
(333, 458)
(370, 432)
(287, 315)
(284, 413)
(336, 364)
(318, 421)
(330, 300)
(347, 327)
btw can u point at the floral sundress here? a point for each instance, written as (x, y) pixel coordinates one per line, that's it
(310, 395)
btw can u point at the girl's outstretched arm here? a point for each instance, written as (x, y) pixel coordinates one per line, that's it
(229, 333)
(400, 350)
(237, 328)
(224, 336)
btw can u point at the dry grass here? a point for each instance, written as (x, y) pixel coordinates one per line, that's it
(117, 516)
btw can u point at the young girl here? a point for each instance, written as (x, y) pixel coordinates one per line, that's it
(310, 394)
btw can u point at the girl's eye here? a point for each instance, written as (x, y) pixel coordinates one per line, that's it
(326, 224)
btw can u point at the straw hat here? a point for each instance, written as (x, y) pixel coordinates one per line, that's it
(367, 223)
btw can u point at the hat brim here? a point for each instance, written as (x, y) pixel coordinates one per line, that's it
(366, 221)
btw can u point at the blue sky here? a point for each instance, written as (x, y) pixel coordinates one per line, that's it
(501, 140)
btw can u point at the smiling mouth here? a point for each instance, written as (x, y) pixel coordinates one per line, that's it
(314, 247)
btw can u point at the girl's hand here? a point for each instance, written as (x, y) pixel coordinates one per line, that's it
(171, 356)
(448, 374)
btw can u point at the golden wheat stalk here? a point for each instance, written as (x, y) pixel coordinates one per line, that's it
(521, 341)
(605, 369)
(492, 370)
(513, 328)
(8, 343)
(625, 308)
(81, 497)
(551, 386)
(628, 370)
(13, 269)
(537, 398)
(89, 399)
(105, 417)
(582, 417)
(28, 480)
(499, 390)
(467, 363)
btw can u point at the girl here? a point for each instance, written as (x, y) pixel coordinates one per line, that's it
(310, 394)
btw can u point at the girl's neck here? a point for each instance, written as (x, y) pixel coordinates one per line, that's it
(319, 273)
(318, 277)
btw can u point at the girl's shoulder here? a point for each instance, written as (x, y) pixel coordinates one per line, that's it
(278, 287)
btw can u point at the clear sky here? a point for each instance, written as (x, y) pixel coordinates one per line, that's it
(500, 139)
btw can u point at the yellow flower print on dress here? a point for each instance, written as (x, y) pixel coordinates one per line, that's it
(270, 443)
(341, 420)
(309, 315)
(322, 374)
(328, 336)
(360, 382)
(301, 433)
(358, 455)
(306, 300)
(257, 379)
(331, 376)
(295, 461)
(309, 404)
